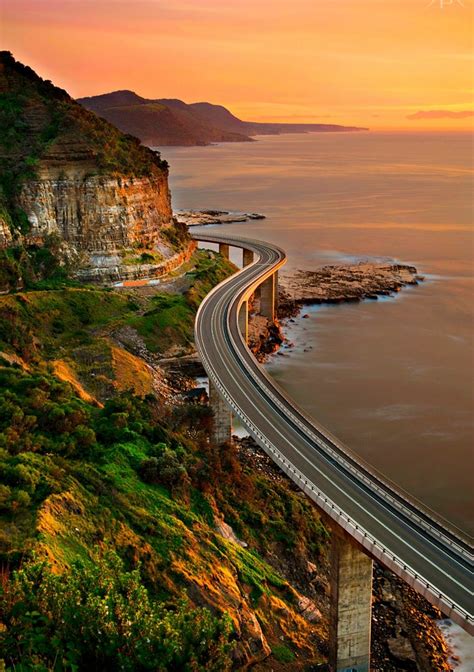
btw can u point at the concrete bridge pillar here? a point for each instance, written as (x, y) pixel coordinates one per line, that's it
(275, 297)
(247, 257)
(224, 250)
(222, 421)
(268, 292)
(351, 607)
(244, 320)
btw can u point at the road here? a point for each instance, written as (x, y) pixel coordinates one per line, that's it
(420, 547)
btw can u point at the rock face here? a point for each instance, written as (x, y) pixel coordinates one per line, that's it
(405, 635)
(68, 175)
(98, 213)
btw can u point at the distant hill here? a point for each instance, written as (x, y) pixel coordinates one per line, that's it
(158, 122)
(169, 121)
(222, 117)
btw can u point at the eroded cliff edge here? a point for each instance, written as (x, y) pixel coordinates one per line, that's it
(73, 185)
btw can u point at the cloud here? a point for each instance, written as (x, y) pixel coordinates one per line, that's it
(441, 114)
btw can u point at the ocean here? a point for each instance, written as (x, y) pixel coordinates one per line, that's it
(393, 379)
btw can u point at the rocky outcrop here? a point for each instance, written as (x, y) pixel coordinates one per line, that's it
(106, 268)
(5, 233)
(264, 336)
(76, 180)
(351, 282)
(212, 217)
(405, 635)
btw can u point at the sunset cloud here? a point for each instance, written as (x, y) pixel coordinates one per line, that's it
(441, 114)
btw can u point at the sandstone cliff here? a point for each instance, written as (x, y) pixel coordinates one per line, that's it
(68, 176)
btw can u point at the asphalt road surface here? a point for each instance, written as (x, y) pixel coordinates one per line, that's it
(433, 557)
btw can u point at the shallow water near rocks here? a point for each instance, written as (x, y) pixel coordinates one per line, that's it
(390, 378)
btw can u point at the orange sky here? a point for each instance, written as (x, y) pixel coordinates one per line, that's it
(364, 62)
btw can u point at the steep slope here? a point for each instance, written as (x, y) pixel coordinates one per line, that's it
(116, 550)
(70, 178)
(169, 121)
(158, 122)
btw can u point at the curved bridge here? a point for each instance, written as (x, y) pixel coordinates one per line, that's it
(402, 534)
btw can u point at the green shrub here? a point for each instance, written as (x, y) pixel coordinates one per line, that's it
(98, 616)
(283, 654)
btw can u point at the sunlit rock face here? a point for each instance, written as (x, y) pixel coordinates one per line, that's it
(70, 176)
(98, 213)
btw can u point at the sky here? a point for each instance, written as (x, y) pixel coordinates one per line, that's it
(400, 64)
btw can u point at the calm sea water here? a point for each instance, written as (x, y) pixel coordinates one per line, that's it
(393, 379)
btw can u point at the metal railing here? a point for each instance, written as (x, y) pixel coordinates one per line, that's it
(341, 454)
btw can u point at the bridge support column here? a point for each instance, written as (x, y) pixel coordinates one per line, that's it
(224, 250)
(268, 293)
(244, 320)
(275, 293)
(351, 607)
(222, 421)
(247, 257)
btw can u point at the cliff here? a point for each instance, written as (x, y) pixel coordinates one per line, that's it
(159, 122)
(168, 121)
(72, 182)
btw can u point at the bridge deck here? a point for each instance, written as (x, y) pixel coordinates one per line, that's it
(408, 539)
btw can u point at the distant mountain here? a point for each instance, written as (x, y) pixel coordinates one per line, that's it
(169, 121)
(157, 122)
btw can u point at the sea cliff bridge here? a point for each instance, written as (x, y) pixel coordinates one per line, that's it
(373, 518)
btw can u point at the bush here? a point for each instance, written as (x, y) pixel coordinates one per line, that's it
(101, 617)
(165, 469)
(283, 654)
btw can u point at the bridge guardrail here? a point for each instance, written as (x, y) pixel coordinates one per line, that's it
(375, 547)
(368, 541)
(344, 454)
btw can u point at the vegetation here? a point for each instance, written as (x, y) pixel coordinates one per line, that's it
(25, 99)
(283, 654)
(101, 617)
(169, 320)
(64, 319)
(34, 266)
(39, 123)
(123, 507)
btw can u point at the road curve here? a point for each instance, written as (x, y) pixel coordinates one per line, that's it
(405, 536)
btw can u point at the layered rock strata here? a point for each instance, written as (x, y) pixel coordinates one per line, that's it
(72, 178)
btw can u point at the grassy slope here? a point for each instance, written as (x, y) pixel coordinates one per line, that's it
(137, 478)
(73, 325)
(77, 480)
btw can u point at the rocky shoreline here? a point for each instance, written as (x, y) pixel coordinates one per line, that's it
(354, 282)
(328, 285)
(213, 217)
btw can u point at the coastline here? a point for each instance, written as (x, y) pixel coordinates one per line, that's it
(335, 284)
(300, 296)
